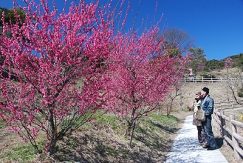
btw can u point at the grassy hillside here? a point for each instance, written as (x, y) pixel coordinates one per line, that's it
(102, 141)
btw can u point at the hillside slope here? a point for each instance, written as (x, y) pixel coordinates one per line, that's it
(217, 90)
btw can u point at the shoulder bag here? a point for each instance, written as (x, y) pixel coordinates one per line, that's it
(200, 115)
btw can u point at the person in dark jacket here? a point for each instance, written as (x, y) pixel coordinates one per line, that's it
(207, 104)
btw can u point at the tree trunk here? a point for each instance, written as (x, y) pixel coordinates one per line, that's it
(133, 127)
(52, 147)
(128, 130)
(54, 138)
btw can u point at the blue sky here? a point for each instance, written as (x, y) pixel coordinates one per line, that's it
(216, 26)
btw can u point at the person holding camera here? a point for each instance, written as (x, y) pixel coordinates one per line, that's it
(200, 134)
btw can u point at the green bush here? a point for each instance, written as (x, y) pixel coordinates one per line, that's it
(240, 92)
(1, 123)
(240, 117)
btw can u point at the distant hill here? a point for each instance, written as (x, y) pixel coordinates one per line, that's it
(214, 64)
(234, 57)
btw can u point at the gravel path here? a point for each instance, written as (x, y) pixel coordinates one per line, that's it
(186, 148)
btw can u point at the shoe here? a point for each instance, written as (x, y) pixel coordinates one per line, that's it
(211, 148)
(205, 146)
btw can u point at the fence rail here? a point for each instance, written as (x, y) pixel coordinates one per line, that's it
(228, 127)
(189, 79)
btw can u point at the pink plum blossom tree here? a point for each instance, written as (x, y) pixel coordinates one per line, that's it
(228, 63)
(56, 58)
(141, 75)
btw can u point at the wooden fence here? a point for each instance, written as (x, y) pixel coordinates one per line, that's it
(229, 129)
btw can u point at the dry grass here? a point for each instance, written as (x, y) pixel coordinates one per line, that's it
(101, 143)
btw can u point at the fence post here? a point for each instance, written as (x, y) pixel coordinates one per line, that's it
(222, 130)
(215, 119)
(235, 142)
